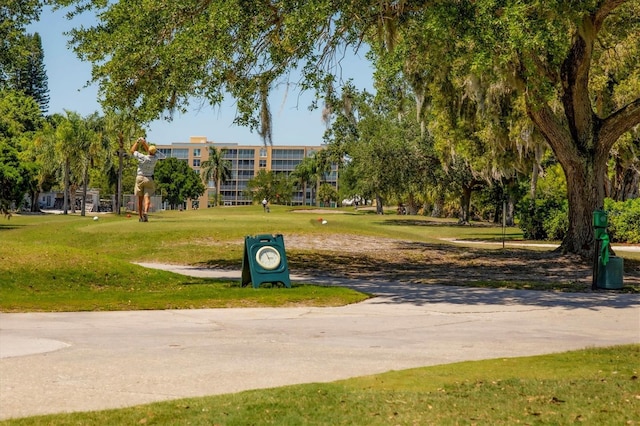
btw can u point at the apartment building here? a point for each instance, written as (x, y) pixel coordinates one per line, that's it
(246, 161)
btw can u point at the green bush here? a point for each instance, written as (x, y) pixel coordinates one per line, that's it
(546, 220)
(624, 220)
(549, 219)
(557, 224)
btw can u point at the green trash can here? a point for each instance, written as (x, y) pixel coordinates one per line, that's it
(610, 275)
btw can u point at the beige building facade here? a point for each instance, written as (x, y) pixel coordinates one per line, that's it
(246, 161)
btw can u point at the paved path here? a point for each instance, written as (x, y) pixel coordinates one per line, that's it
(61, 362)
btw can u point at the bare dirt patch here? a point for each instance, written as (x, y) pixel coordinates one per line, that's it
(384, 258)
(319, 211)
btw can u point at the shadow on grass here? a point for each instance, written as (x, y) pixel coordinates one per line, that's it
(424, 273)
(8, 227)
(434, 223)
(447, 265)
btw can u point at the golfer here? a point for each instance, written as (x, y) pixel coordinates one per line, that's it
(145, 186)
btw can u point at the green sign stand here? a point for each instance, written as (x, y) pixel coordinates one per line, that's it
(265, 261)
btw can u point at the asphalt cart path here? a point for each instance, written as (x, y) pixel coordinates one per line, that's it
(63, 362)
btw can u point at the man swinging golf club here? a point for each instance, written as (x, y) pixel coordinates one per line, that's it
(145, 186)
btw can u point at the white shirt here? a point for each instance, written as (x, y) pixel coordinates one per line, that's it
(147, 163)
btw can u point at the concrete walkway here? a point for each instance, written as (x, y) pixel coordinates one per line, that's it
(62, 362)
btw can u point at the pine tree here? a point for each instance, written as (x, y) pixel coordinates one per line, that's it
(30, 76)
(14, 17)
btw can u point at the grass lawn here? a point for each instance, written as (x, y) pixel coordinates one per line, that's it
(593, 386)
(73, 263)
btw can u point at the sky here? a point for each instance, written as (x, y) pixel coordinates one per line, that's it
(293, 123)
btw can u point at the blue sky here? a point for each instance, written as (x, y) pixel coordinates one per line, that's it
(293, 123)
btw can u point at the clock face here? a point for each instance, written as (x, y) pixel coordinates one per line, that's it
(268, 257)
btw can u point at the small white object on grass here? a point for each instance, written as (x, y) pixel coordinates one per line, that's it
(95, 218)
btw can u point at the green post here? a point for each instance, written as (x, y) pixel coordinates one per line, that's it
(608, 270)
(600, 223)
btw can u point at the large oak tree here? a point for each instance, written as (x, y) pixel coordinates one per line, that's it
(157, 56)
(576, 63)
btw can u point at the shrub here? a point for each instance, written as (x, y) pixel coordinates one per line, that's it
(624, 220)
(546, 220)
(557, 224)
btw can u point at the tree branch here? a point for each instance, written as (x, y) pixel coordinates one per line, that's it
(574, 72)
(618, 123)
(605, 9)
(554, 132)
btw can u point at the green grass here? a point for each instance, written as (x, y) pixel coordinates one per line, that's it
(593, 386)
(72, 263)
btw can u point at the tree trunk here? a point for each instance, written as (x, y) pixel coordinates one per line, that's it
(533, 187)
(511, 208)
(626, 182)
(85, 182)
(438, 205)
(35, 207)
(412, 206)
(585, 190)
(379, 207)
(631, 185)
(465, 205)
(67, 185)
(510, 189)
(121, 153)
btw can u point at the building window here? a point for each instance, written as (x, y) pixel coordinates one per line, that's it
(263, 152)
(196, 162)
(246, 153)
(196, 152)
(288, 154)
(263, 164)
(180, 153)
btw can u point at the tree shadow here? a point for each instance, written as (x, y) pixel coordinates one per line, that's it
(8, 227)
(425, 295)
(434, 223)
(423, 273)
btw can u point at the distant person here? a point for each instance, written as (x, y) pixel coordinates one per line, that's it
(264, 205)
(145, 187)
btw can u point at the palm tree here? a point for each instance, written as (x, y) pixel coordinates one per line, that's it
(66, 149)
(217, 169)
(120, 127)
(306, 173)
(93, 142)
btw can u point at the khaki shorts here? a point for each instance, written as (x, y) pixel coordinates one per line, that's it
(144, 186)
